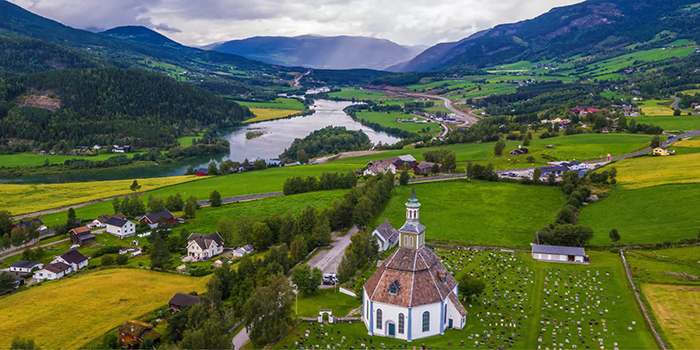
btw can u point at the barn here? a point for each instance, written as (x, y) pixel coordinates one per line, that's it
(558, 253)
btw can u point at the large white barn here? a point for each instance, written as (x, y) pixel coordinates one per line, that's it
(558, 253)
(412, 295)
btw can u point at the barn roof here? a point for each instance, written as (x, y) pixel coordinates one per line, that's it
(555, 249)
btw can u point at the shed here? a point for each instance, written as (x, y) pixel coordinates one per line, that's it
(558, 253)
(180, 300)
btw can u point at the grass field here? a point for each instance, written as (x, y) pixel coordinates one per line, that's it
(668, 123)
(262, 114)
(535, 313)
(656, 108)
(359, 94)
(389, 120)
(663, 266)
(477, 212)
(279, 103)
(35, 159)
(29, 198)
(677, 309)
(68, 313)
(645, 215)
(340, 303)
(653, 171)
(187, 140)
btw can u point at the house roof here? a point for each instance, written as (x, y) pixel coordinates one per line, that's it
(57, 267)
(553, 168)
(202, 170)
(104, 218)
(555, 249)
(154, 217)
(138, 329)
(417, 272)
(388, 232)
(248, 248)
(27, 224)
(114, 221)
(86, 237)
(407, 158)
(204, 241)
(25, 264)
(82, 230)
(182, 299)
(73, 257)
(458, 305)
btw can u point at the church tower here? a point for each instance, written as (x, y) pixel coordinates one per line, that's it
(412, 233)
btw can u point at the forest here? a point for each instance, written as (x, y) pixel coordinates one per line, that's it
(329, 140)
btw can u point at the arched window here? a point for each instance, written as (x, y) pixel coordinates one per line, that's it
(426, 321)
(401, 323)
(379, 318)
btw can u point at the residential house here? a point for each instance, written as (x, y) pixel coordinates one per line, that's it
(24, 266)
(424, 168)
(25, 225)
(390, 165)
(133, 333)
(274, 162)
(558, 253)
(81, 235)
(152, 219)
(203, 247)
(584, 110)
(121, 149)
(73, 258)
(519, 151)
(244, 250)
(201, 172)
(53, 271)
(121, 227)
(557, 170)
(663, 151)
(180, 300)
(387, 236)
(101, 220)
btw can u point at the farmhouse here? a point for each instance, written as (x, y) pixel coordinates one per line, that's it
(120, 227)
(81, 235)
(244, 250)
(519, 151)
(387, 236)
(53, 271)
(101, 220)
(411, 295)
(584, 110)
(201, 172)
(152, 219)
(557, 170)
(424, 168)
(662, 151)
(558, 253)
(274, 162)
(133, 333)
(180, 300)
(203, 247)
(121, 149)
(73, 258)
(24, 266)
(390, 165)
(26, 225)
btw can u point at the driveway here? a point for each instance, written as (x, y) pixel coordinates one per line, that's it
(240, 339)
(329, 260)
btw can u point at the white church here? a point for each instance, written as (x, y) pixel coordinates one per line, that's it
(412, 295)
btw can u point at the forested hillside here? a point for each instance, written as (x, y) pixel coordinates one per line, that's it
(22, 55)
(108, 106)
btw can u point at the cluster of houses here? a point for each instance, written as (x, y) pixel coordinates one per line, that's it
(585, 110)
(61, 266)
(392, 165)
(628, 110)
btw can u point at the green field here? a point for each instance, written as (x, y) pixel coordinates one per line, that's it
(77, 305)
(340, 303)
(668, 123)
(656, 108)
(389, 120)
(486, 213)
(358, 94)
(279, 103)
(645, 171)
(526, 307)
(35, 159)
(653, 266)
(187, 140)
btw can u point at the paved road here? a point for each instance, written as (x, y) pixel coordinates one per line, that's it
(676, 101)
(468, 117)
(20, 250)
(328, 260)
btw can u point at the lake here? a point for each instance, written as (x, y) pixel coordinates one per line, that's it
(279, 134)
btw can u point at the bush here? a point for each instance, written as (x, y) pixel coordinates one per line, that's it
(107, 260)
(615, 250)
(122, 259)
(107, 250)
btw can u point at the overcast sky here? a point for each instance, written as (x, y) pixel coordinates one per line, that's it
(201, 22)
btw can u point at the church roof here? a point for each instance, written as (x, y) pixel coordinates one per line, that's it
(418, 272)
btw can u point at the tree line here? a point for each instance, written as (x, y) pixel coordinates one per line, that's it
(327, 181)
(329, 140)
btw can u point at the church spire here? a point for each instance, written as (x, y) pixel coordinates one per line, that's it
(412, 232)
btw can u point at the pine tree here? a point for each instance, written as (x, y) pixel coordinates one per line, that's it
(160, 256)
(135, 186)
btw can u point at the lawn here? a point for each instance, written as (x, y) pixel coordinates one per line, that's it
(262, 114)
(389, 120)
(36, 159)
(668, 123)
(645, 215)
(279, 103)
(677, 309)
(340, 303)
(527, 316)
(487, 213)
(649, 171)
(68, 313)
(29, 198)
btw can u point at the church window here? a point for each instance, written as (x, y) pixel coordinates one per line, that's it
(379, 318)
(426, 321)
(394, 287)
(401, 323)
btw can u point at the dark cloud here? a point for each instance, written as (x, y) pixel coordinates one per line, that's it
(166, 28)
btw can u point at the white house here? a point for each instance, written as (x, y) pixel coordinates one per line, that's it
(244, 250)
(73, 258)
(203, 247)
(25, 266)
(558, 253)
(120, 227)
(412, 295)
(387, 236)
(53, 271)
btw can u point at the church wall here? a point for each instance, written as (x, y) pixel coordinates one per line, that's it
(390, 313)
(417, 320)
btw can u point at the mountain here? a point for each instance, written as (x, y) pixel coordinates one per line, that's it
(588, 28)
(338, 52)
(142, 35)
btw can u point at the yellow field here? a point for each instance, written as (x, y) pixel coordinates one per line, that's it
(656, 108)
(691, 92)
(30, 198)
(652, 171)
(68, 313)
(690, 143)
(677, 308)
(262, 114)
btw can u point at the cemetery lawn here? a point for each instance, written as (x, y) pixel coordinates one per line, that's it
(677, 310)
(521, 284)
(477, 212)
(341, 304)
(42, 310)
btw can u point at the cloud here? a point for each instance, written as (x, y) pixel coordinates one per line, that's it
(201, 22)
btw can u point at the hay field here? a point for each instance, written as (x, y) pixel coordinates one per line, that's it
(677, 309)
(652, 171)
(262, 114)
(67, 313)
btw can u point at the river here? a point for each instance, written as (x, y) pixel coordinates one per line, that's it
(279, 134)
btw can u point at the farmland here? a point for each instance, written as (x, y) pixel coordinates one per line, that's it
(676, 308)
(389, 120)
(262, 114)
(36, 159)
(644, 172)
(656, 108)
(106, 299)
(31, 198)
(668, 123)
(279, 103)
(460, 212)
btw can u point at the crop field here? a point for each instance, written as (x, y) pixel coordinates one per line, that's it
(645, 215)
(262, 114)
(545, 305)
(645, 171)
(208, 218)
(677, 309)
(29, 198)
(389, 120)
(279, 103)
(656, 108)
(68, 313)
(461, 212)
(35, 159)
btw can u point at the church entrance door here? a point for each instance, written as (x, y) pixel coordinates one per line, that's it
(391, 329)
